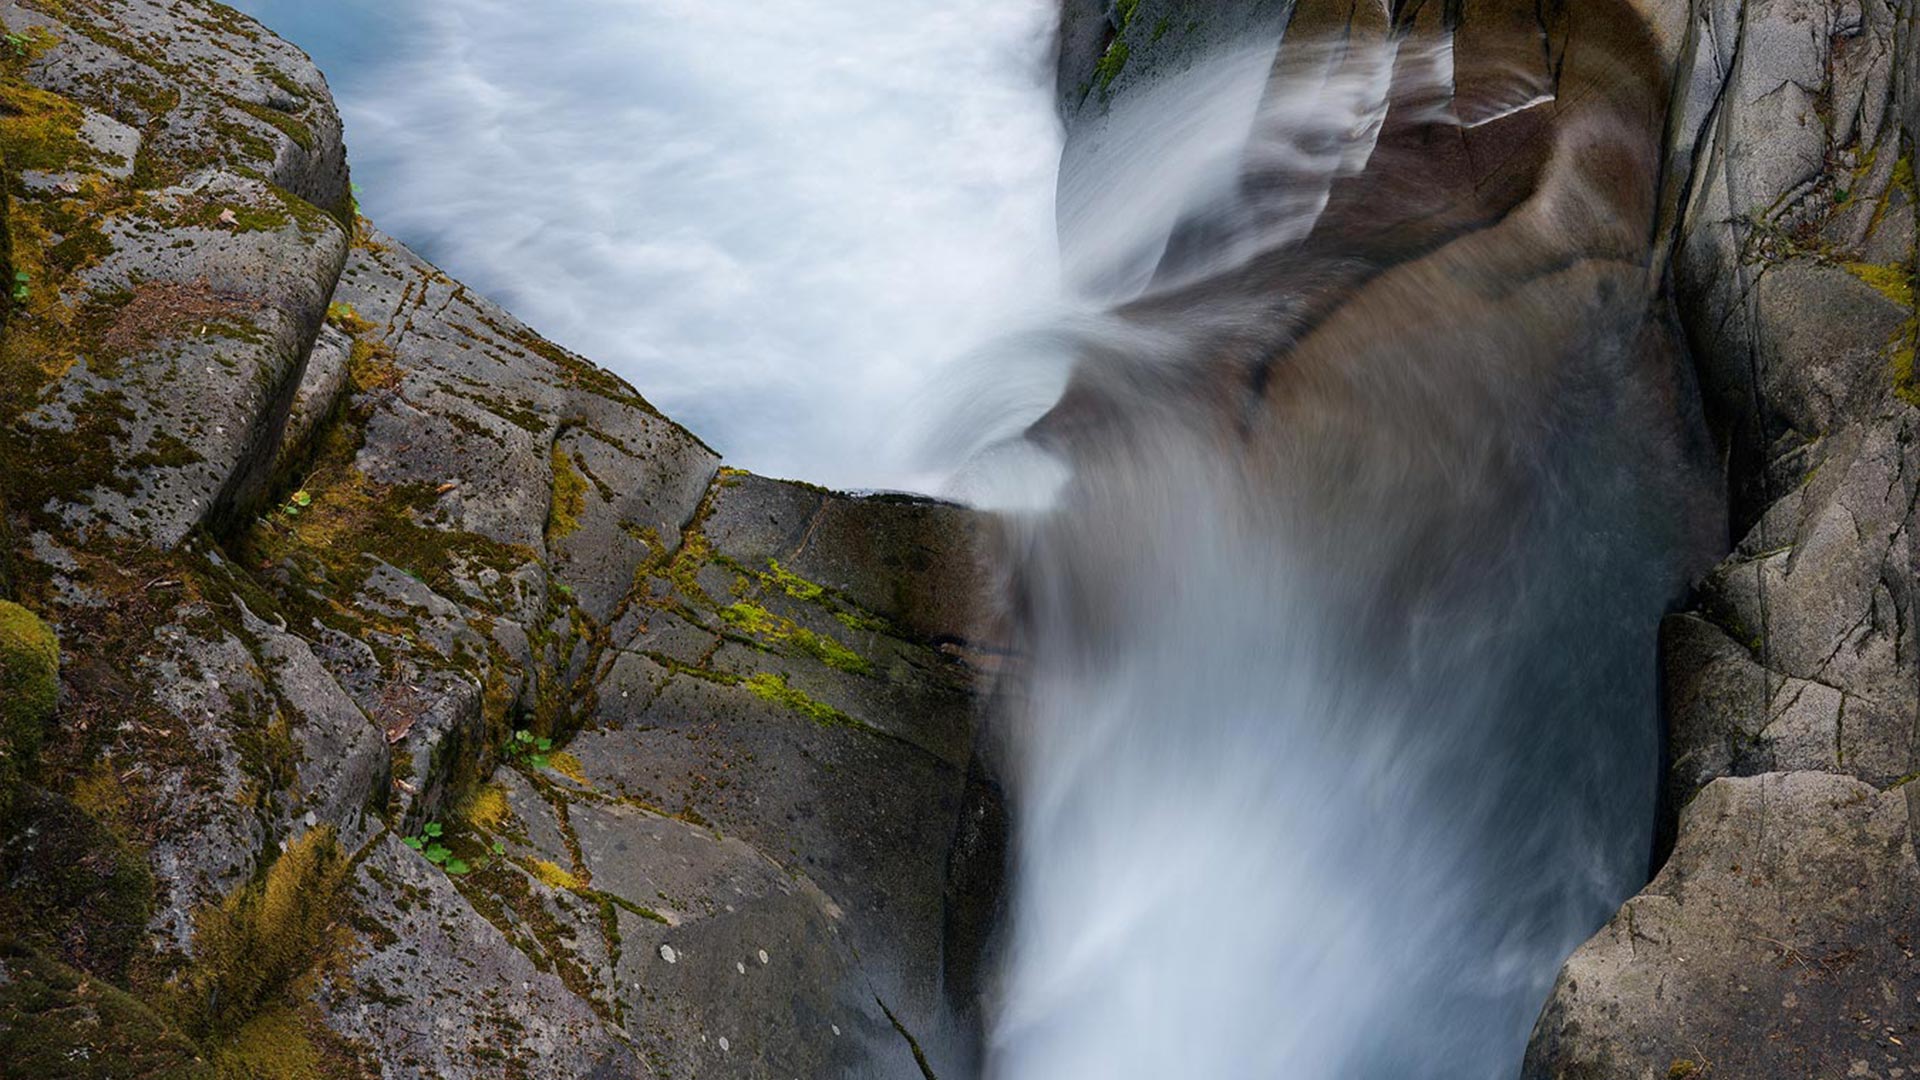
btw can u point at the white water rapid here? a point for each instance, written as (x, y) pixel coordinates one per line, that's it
(1344, 505)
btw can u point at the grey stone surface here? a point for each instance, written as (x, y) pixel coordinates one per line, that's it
(1777, 941)
(1797, 672)
(322, 530)
(441, 992)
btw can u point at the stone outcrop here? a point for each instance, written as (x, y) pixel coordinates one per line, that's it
(599, 758)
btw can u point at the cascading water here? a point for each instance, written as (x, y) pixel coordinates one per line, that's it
(1340, 524)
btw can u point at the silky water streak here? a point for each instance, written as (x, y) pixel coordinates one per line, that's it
(1341, 521)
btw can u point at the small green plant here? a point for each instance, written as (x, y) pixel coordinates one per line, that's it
(297, 502)
(14, 44)
(428, 844)
(525, 749)
(22, 286)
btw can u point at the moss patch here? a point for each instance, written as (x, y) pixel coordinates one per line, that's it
(255, 948)
(74, 888)
(770, 629)
(569, 497)
(773, 687)
(1893, 281)
(555, 876)
(42, 130)
(56, 1021)
(486, 807)
(29, 692)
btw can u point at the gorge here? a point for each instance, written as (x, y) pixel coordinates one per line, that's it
(1433, 598)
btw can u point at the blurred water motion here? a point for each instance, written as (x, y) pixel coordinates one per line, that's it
(1345, 503)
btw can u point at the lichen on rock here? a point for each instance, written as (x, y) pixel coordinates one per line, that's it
(325, 533)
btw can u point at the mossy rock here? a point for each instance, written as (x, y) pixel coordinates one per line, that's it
(72, 886)
(29, 691)
(56, 1022)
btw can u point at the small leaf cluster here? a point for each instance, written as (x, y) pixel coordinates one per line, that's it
(16, 44)
(528, 750)
(22, 286)
(297, 502)
(428, 844)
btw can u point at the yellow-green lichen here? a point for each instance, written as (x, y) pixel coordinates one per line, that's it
(1891, 280)
(554, 875)
(770, 686)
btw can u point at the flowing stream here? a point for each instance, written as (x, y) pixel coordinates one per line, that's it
(1345, 502)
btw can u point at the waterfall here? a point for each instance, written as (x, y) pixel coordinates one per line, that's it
(1341, 511)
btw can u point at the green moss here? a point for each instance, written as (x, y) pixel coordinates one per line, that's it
(569, 497)
(555, 876)
(240, 217)
(644, 912)
(570, 767)
(41, 131)
(752, 618)
(1112, 63)
(1906, 381)
(252, 952)
(1893, 281)
(281, 79)
(29, 692)
(793, 584)
(290, 126)
(271, 1046)
(1114, 60)
(343, 316)
(775, 630)
(74, 887)
(56, 1021)
(773, 687)
(486, 808)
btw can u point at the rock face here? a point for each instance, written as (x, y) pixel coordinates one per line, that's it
(638, 766)
(1778, 939)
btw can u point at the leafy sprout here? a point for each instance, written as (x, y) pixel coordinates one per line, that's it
(439, 854)
(529, 749)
